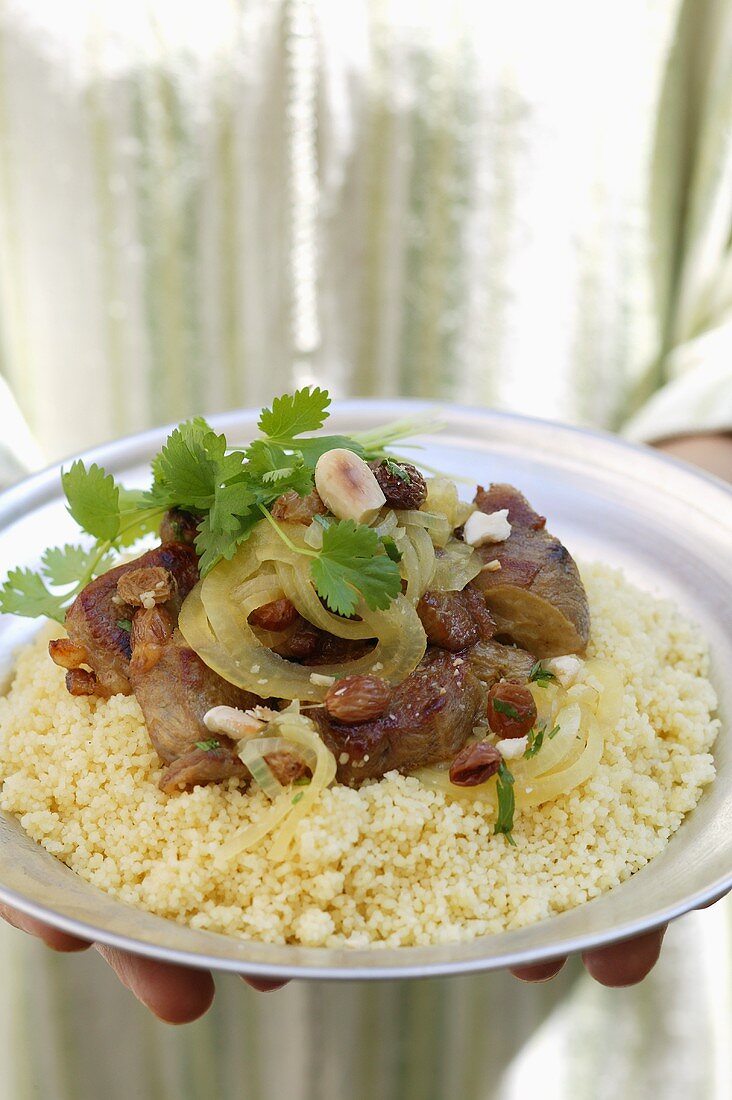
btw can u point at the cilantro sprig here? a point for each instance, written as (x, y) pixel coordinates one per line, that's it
(229, 492)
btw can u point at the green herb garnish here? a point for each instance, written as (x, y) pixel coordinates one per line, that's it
(301, 781)
(505, 708)
(540, 675)
(208, 746)
(125, 624)
(398, 471)
(506, 803)
(535, 738)
(297, 797)
(232, 491)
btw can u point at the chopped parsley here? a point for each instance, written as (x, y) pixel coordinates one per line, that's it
(535, 738)
(540, 675)
(505, 708)
(208, 746)
(506, 803)
(232, 491)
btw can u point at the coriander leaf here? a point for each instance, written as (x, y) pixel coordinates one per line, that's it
(297, 797)
(312, 449)
(278, 471)
(294, 413)
(506, 803)
(188, 468)
(93, 499)
(208, 746)
(212, 545)
(64, 565)
(230, 503)
(125, 624)
(553, 732)
(24, 593)
(349, 565)
(505, 708)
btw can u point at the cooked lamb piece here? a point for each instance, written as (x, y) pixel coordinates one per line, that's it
(179, 526)
(212, 765)
(491, 662)
(176, 690)
(536, 598)
(456, 620)
(95, 620)
(430, 717)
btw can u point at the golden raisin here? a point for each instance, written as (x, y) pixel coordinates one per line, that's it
(292, 508)
(146, 586)
(66, 653)
(511, 710)
(275, 616)
(475, 764)
(357, 699)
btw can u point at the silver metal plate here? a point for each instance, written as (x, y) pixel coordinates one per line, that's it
(669, 527)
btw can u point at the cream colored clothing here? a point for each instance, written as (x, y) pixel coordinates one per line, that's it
(522, 205)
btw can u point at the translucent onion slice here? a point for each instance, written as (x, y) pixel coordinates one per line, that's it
(301, 730)
(425, 553)
(254, 752)
(435, 523)
(387, 523)
(455, 567)
(298, 734)
(548, 787)
(443, 498)
(301, 592)
(214, 622)
(409, 565)
(554, 749)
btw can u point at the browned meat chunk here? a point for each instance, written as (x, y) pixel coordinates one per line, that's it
(95, 620)
(429, 718)
(146, 586)
(455, 620)
(179, 526)
(536, 598)
(491, 662)
(212, 765)
(202, 766)
(291, 508)
(175, 692)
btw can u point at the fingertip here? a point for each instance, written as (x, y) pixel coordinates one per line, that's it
(51, 937)
(262, 985)
(540, 972)
(625, 963)
(175, 994)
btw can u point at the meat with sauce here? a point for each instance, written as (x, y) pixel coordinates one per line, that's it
(536, 597)
(430, 717)
(456, 620)
(96, 621)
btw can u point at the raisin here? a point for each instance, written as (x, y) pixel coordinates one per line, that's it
(475, 764)
(401, 483)
(511, 710)
(357, 699)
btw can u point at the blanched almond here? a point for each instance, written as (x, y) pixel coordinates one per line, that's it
(347, 486)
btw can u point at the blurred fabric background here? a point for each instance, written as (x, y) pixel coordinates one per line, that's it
(520, 205)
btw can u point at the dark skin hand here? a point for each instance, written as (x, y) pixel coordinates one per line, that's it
(179, 995)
